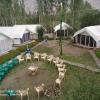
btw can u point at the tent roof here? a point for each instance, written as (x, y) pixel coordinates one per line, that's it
(17, 31)
(64, 26)
(93, 31)
(7, 31)
(31, 28)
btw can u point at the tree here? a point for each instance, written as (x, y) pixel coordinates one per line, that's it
(40, 31)
(90, 18)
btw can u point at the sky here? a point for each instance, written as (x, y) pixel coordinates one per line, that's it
(31, 5)
(95, 3)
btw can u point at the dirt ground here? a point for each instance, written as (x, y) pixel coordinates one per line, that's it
(67, 48)
(20, 78)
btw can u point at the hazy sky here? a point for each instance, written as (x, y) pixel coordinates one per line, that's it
(95, 3)
(31, 5)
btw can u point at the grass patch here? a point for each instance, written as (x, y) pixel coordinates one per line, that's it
(80, 84)
(83, 59)
(97, 52)
(42, 49)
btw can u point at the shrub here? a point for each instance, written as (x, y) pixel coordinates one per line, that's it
(14, 53)
(40, 32)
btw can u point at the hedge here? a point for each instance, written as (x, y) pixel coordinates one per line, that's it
(11, 54)
(97, 52)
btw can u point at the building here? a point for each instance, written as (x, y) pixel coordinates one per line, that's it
(5, 44)
(88, 37)
(64, 32)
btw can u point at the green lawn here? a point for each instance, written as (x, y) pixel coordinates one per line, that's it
(83, 59)
(97, 52)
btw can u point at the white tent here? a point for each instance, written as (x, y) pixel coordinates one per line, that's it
(32, 29)
(16, 33)
(5, 43)
(88, 36)
(65, 27)
(21, 33)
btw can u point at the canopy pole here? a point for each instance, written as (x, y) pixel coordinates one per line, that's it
(64, 33)
(80, 39)
(85, 40)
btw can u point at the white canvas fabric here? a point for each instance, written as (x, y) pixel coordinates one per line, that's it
(5, 44)
(64, 27)
(93, 31)
(17, 31)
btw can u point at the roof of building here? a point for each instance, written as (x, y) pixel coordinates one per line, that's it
(64, 26)
(93, 31)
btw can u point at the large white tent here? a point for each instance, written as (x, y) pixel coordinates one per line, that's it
(65, 28)
(88, 37)
(5, 44)
(21, 33)
(16, 33)
(30, 28)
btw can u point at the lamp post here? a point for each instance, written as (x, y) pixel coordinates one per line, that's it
(60, 41)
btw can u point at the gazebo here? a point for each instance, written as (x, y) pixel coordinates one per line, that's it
(65, 28)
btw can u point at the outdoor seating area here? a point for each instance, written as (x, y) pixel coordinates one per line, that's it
(33, 70)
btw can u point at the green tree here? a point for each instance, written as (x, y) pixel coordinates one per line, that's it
(90, 18)
(40, 31)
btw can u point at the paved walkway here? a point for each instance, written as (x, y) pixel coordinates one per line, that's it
(96, 59)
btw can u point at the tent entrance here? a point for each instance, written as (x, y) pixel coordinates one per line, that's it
(85, 40)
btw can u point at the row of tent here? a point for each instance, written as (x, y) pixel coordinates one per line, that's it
(87, 37)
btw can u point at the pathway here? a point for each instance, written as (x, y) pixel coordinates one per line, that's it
(82, 66)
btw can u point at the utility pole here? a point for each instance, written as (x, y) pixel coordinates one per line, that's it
(60, 42)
